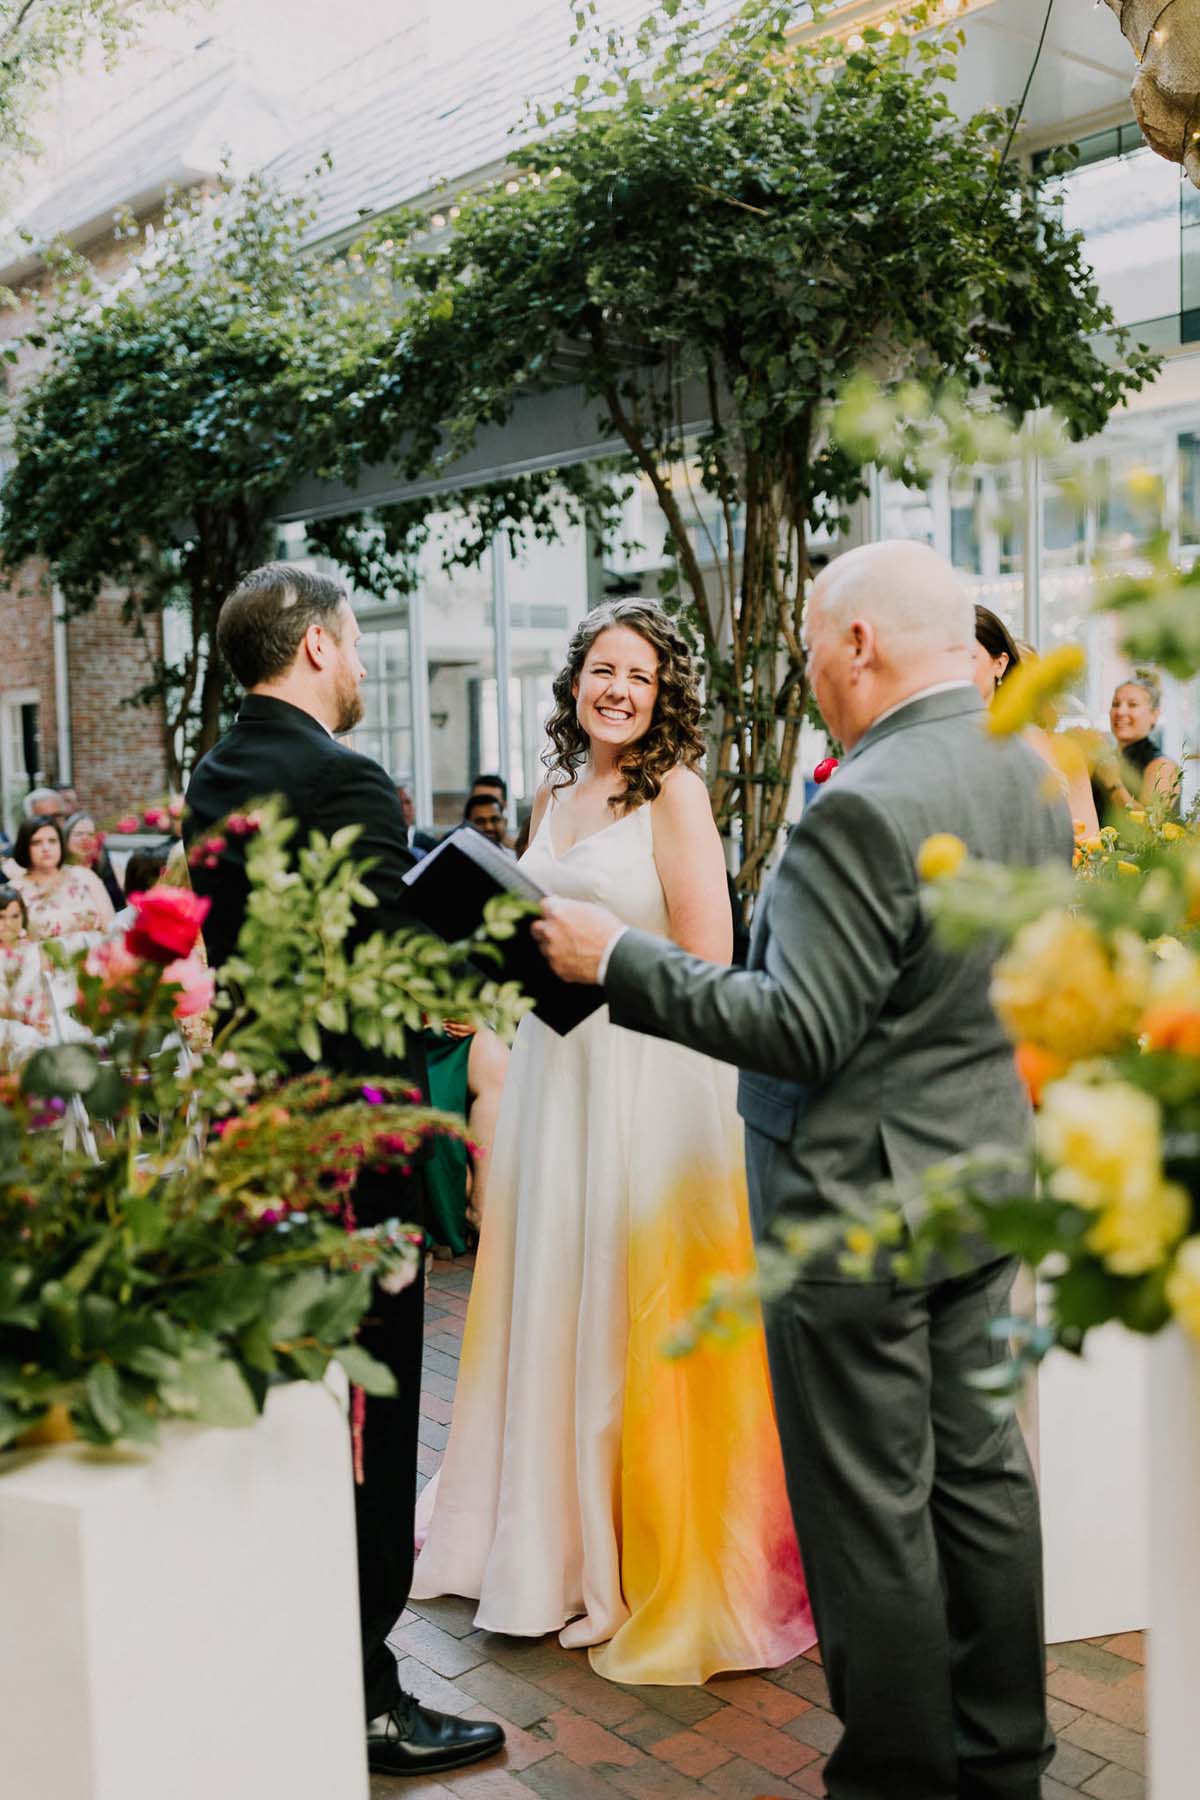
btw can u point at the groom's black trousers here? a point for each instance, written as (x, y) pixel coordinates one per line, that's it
(918, 1523)
(386, 1500)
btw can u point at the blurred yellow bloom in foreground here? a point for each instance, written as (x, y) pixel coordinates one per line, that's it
(1183, 1286)
(1028, 695)
(1063, 987)
(940, 855)
(1104, 1142)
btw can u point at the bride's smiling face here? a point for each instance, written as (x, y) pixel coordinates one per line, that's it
(617, 687)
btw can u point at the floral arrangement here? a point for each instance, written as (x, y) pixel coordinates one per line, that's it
(161, 815)
(200, 1241)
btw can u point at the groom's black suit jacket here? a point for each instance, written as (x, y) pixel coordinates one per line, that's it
(277, 749)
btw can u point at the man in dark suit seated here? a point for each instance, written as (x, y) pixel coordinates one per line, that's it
(418, 841)
(290, 638)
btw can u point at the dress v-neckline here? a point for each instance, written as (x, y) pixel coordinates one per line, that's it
(587, 838)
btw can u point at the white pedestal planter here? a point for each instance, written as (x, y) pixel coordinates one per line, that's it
(184, 1626)
(1173, 1471)
(1093, 1451)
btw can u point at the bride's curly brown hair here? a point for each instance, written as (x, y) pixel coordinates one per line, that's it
(674, 736)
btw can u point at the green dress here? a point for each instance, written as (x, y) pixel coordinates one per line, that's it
(446, 1171)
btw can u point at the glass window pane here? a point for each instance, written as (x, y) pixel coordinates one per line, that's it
(1128, 210)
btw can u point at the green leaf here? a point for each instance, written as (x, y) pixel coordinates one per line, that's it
(82, 1272)
(103, 1389)
(60, 1071)
(291, 1302)
(364, 1371)
(227, 1301)
(212, 1391)
(336, 1315)
(108, 1093)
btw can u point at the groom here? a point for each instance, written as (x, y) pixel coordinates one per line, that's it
(290, 638)
(869, 1052)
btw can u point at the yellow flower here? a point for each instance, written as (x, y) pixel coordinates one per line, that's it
(1183, 1286)
(1171, 831)
(1132, 1236)
(940, 855)
(1127, 868)
(1028, 695)
(1066, 989)
(860, 1241)
(1103, 1140)
(1137, 814)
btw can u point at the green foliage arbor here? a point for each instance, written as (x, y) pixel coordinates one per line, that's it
(173, 408)
(764, 217)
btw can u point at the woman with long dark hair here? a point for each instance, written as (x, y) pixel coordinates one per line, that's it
(997, 654)
(591, 1485)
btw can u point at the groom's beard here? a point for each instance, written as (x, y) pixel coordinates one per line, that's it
(349, 707)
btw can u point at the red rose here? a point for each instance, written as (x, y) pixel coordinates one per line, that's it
(825, 768)
(168, 923)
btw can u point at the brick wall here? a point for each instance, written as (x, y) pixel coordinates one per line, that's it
(27, 657)
(117, 750)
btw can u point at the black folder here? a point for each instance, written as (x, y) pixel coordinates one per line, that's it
(448, 890)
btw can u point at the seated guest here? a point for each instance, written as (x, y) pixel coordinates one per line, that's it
(85, 848)
(492, 784)
(997, 654)
(44, 803)
(24, 1004)
(486, 815)
(419, 842)
(143, 871)
(61, 899)
(1141, 773)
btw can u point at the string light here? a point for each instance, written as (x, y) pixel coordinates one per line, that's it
(512, 187)
(742, 88)
(855, 42)
(455, 211)
(888, 26)
(536, 180)
(438, 221)
(554, 173)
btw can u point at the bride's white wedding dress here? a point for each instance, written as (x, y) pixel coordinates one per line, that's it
(589, 1481)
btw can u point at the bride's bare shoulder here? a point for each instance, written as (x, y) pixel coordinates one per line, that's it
(683, 793)
(541, 801)
(682, 811)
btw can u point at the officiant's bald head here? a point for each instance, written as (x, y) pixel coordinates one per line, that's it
(883, 622)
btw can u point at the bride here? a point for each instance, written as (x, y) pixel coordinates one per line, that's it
(591, 1485)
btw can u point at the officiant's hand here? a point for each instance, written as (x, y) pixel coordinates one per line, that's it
(573, 935)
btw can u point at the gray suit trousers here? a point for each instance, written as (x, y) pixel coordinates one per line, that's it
(920, 1538)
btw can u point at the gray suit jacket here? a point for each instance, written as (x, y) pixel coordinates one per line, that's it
(868, 1051)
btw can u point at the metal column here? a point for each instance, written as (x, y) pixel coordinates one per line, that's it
(418, 691)
(503, 656)
(1031, 560)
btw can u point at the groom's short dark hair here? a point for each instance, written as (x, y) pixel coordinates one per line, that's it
(263, 622)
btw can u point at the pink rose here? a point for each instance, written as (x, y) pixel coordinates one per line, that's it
(111, 962)
(168, 923)
(128, 824)
(175, 806)
(155, 818)
(196, 986)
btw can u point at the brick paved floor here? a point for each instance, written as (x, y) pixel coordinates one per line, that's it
(572, 1736)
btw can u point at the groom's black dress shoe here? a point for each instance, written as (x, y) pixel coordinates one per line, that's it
(411, 1740)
